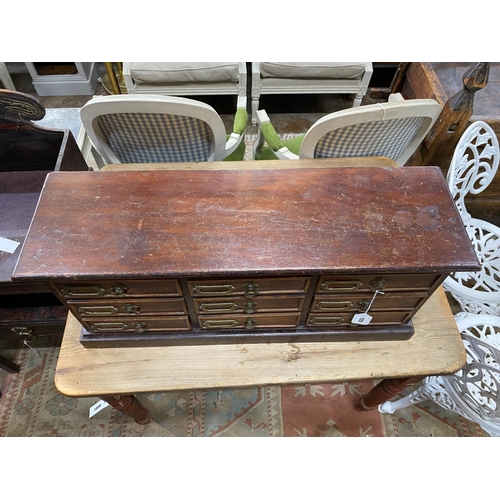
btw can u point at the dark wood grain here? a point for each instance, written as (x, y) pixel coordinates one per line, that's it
(178, 223)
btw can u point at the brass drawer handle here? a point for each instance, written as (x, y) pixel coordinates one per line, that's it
(213, 289)
(118, 289)
(218, 307)
(220, 323)
(249, 324)
(364, 304)
(82, 291)
(24, 333)
(341, 286)
(250, 289)
(139, 326)
(378, 283)
(97, 310)
(333, 306)
(249, 307)
(109, 327)
(131, 309)
(326, 320)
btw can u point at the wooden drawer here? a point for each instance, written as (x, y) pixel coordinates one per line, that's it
(342, 319)
(348, 283)
(125, 307)
(358, 302)
(116, 288)
(250, 287)
(249, 322)
(249, 305)
(137, 325)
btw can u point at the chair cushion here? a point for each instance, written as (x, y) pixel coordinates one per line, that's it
(179, 72)
(293, 145)
(156, 138)
(318, 70)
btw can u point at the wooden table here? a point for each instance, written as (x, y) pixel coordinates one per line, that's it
(115, 374)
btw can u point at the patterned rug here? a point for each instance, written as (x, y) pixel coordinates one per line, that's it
(30, 405)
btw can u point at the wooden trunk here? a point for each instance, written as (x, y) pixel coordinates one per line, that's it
(190, 257)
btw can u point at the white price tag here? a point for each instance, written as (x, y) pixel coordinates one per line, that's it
(100, 405)
(7, 245)
(361, 319)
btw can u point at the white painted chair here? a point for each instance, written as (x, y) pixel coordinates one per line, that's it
(186, 78)
(5, 77)
(309, 78)
(394, 130)
(157, 129)
(474, 391)
(473, 167)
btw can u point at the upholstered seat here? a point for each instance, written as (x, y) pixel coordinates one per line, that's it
(185, 78)
(393, 130)
(309, 78)
(159, 129)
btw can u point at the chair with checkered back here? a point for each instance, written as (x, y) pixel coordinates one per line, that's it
(161, 129)
(393, 130)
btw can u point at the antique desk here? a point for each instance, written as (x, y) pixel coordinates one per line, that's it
(116, 374)
(157, 257)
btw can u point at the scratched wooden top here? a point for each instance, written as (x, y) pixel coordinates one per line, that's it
(159, 223)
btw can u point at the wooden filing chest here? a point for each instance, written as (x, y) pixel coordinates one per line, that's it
(166, 257)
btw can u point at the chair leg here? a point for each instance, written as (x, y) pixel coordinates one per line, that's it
(5, 77)
(358, 99)
(255, 108)
(418, 395)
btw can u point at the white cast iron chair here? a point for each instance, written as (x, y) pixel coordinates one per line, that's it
(186, 78)
(309, 78)
(473, 167)
(474, 391)
(157, 129)
(393, 130)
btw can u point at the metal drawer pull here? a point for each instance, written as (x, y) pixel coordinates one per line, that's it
(249, 307)
(364, 304)
(333, 306)
(213, 289)
(109, 327)
(131, 309)
(139, 327)
(249, 324)
(378, 283)
(83, 291)
(24, 333)
(220, 323)
(218, 307)
(327, 320)
(98, 310)
(341, 286)
(118, 289)
(250, 289)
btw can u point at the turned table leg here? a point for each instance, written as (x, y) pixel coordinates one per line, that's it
(130, 406)
(385, 390)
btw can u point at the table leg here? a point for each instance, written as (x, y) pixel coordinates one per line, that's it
(385, 390)
(130, 406)
(9, 366)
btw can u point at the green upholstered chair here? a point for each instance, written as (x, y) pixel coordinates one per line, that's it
(393, 130)
(161, 129)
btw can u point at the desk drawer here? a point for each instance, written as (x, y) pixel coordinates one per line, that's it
(249, 322)
(323, 303)
(250, 287)
(359, 283)
(126, 307)
(249, 305)
(343, 319)
(136, 325)
(118, 288)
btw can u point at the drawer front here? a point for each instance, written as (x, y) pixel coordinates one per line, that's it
(343, 319)
(249, 322)
(125, 307)
(118, 288)
(249, 305)
(360, 283)
(251, 287)
(137, 325)
(323, 303)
